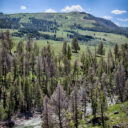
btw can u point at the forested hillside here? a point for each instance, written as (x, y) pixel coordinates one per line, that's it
(46, 25)
(35, 78)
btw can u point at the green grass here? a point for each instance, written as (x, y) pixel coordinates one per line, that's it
(121, 118)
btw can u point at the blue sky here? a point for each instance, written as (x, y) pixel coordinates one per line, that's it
(115, 10)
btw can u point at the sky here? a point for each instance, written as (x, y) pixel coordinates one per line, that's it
(114, 10)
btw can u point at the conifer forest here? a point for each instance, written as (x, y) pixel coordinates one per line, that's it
(67, 92)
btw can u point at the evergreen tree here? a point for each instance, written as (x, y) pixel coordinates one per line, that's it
(64, 49)
(9, 41)
(27, 94)
(20, 48)
(69, 53)
(102, 98)
(47, 120)
(75, 45)
(75, 68)
(39, 70)
(116, 51)
(83, 94)
(67, 66)
(11, 103)
(59, 103)
(75, 106)
(101, 50)
(120, 81)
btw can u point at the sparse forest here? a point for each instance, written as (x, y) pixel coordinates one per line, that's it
(34, 78)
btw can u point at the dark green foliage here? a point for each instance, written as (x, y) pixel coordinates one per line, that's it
(40, 25)
(101, 50)
(69, 52)
(35, 34)
(79, 36)
(8, 22)
(75, 45)
(116, 51)
(75, 68)
(64, 49)
(67, 66)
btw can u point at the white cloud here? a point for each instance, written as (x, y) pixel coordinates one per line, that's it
(124, 20)
(73, 8)
(23, 7)
(118, 12)
(50, 10)
(107, 17)
(117, 23)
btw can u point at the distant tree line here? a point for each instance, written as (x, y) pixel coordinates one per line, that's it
(102, 25)
(79, 36)
(35, 34)
(7, 22)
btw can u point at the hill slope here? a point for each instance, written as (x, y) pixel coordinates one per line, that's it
(50, 23)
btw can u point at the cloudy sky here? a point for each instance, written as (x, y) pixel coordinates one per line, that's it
(115, 10)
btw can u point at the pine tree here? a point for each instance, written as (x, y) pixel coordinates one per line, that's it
(75, 45)
(59, 104)
(27, 94)
(67, 66)
(15, 67)
(102, 98)
(29, 46)
(36, 49)
(116, 51)
(46, 117)
(75, 68)
(64, 48)
(120, 81)
(94, 99)
(20, 48)
(27, 66)
(101, 50)
(75, 106)
(69, 53)
(38, 95)
(93, 91)
(39, 69)
(83, 94)
(9, 41)
(11, 103)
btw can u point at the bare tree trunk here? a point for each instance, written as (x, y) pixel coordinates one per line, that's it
(59, 114)
(47, 117)
(102, 115)
(76, 112)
